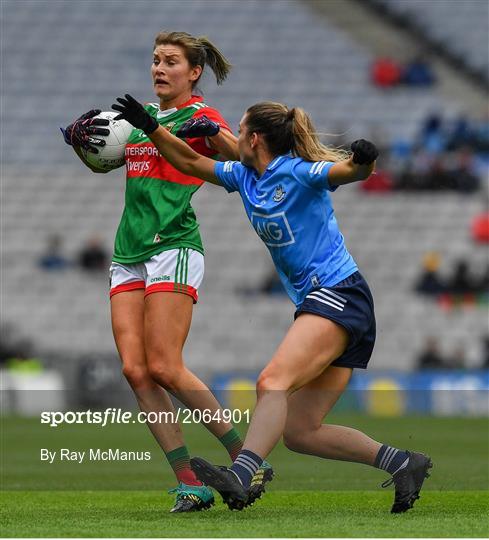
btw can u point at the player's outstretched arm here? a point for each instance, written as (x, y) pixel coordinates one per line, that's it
(226, 144)
(358, 167)
(175, 151)
(182, 156)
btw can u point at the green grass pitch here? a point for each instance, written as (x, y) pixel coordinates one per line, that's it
(309, 497)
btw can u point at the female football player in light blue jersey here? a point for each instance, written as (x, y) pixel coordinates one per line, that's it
(284, 177)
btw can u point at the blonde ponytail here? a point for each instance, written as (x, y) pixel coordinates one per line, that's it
(290, 130)
(306, 142)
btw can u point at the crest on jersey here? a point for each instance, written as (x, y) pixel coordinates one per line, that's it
(157, 239)
(279, 193)
(170, 126)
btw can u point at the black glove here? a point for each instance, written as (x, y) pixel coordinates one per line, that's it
(132, 111)
(80, 132)
(198, 127)
(364, 152)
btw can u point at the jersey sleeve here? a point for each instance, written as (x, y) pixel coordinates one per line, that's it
(200, 144)
(229, 173)
(314, 174)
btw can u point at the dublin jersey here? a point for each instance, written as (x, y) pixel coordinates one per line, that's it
(158, 215)
(290, 209)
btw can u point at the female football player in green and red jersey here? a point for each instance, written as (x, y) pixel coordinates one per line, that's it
(158, 261)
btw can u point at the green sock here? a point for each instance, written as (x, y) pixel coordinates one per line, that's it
(232, 442)
(179, 460)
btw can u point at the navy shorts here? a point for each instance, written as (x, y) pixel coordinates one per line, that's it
(349, 303)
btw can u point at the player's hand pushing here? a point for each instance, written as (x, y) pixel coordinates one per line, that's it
(132, 111)
(364, 152)
(81, 132)
(198, 127)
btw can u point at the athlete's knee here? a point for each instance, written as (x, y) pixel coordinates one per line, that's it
(270, 379)
(166, 373)
(265, 382)
(137, 375)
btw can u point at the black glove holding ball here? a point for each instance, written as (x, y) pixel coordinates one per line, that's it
(364, 152)
(81, 132)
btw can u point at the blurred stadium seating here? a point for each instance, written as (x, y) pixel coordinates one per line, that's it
(63, 58)
(458, 27)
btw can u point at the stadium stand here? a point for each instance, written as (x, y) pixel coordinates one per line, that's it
(457, 28)
(46, 191)
(98, 61)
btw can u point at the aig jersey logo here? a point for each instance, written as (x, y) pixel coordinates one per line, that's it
(273, 229)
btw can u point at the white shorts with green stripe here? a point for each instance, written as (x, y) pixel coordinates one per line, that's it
(176, 270)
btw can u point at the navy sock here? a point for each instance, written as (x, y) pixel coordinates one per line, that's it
(245, 466)
(391, 459)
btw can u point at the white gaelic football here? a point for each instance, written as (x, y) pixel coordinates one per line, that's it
(110, 156)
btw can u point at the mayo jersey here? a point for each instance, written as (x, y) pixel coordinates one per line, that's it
(158, 215)
(290, 209)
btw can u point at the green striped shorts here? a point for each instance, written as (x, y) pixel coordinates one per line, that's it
(176, 270)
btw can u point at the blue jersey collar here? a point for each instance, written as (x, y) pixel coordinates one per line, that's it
(277, 161)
